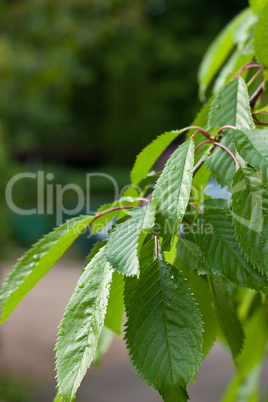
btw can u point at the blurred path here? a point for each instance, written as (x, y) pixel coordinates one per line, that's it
(27, 341)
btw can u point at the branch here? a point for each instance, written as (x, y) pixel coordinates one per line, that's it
(251, 64)
(205, 133)
(110, 210)
(194, 206)
(257, 121)
(229, 152)
(201, 160)
(223, 128)
(256, 94)
(201, 144)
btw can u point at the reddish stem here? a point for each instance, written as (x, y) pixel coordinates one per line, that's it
(145, 199)
(256, 94)
(200, 130)
(142, 201)
(263, 113)
(257, 121)
(202, 143)
(188, 223)
(201, 160)
(110, 210)
(229, 152)
(205, 133)
(254, 76)
(223, 128)
(192, 127)
(194, 206)
(251, 64)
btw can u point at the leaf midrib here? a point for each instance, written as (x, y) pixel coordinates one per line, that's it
(98, 298)
(165, 325)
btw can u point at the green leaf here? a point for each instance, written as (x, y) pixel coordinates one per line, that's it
(172, 192)
(37, 262)
(171, 255)
(260, 37)
(115, 309)
(252, 145)
(250, 217)
(81, 325)
(216, 240)
(218, 51)
(243, 35)
(227, 316)
(217, 203)
(125, 241)
(147, 158)
(256, 334)
(164, 327)
(229, 107)
(200, 288)
(58, 398)
(257, 5)
(104, 343)
(189, 254)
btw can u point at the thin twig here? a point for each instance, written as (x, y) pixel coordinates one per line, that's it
(256, 94)
(188, 223)
(142, 201)
(263, 113)
(201, 160)
(201, 144)
(223, 128)
(260, 123)
(193, 127)
(257, 121)
(254, 76)
(194, 206)
(251, 64)
(229, 152)
(205, 133)
(110, 210)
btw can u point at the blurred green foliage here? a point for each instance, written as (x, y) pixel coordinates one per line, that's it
(102, 71)
(14, 389)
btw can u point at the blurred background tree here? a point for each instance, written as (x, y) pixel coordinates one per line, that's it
(92, 73)
(88, 83)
